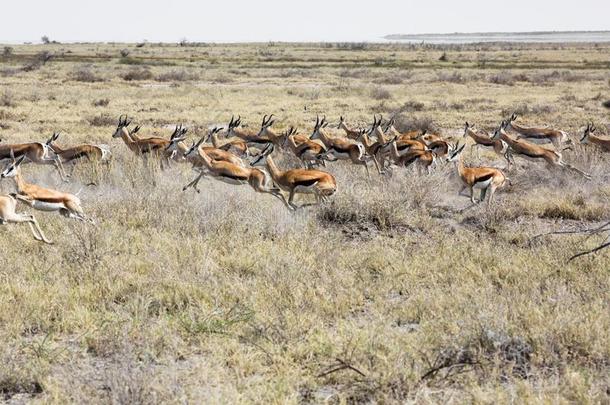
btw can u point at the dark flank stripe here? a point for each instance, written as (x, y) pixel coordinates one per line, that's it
(306, 183)
(340, 150)
(239, 178)
(484, 178)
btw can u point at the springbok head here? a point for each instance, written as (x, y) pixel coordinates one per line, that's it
(454, 151)
(466, 128)
(265, 125)
(178, 136)
(286, 134)
(320, 124)
(261, 159)
(234, 123)
(499, 130)
(121, 128)
(588, 131)
(12, 168)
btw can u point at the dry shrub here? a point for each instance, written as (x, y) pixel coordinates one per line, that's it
(102, 120)
(85, 75)
(8, 100)
(412, 105)
(102, 102)
(177, 76)
(503, 78)
(453, 77)
(138, 74)
(380, 93)
(404, 123)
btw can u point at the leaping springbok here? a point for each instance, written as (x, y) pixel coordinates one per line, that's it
(35, 152)
(486, 179)
(588, 137)
(534, 152)
(43, 199)
(349, 132)
(236, 175)
(143, 147)
(8, 215)
(539, 135)
(304, 148)
(72, 155)
(483, 139)
(306, 181)
(339, 148)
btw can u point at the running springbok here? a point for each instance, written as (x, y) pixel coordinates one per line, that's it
(304, 148)
(588, 137)
(483, 139)
(236, 175)
(97, 153)
(339, 148)
(534, 152)
(305, 181)
(236, 146)
(349, 132)
(423, 157)
(35, 152)
(8, 215)
(43, 199)
(486, 179)
(193, 155)
(539, 135)
(145, 147)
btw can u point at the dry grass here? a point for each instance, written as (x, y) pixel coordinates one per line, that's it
(395, 291)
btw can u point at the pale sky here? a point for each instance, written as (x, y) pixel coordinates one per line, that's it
(284, 20)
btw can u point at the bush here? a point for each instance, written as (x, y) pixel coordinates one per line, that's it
(7, 51)
(85, 75)
(176, 76)
(404, 123)
(102, 102)
(443, 57)
(8, 100)
(503, 78)
(39, 60)
(380, 93)
(453, 77)
(138, 74)
(412, 105)
(102, 120)
(125, 53)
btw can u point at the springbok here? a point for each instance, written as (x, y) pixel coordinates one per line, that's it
(305, 181)
(236, 146)
(539, 135)
(236, 175)
(267, 135)
(423, 157)
(194, 155)
(35, 152)
(534, 152)
(483, 139)
(43, 199)
(8, 215)
(304, 148)
(251, 137)
(349, 132)
(143, 147)
(97, 153)
(339, 148)
(588, 137)
(486, 179)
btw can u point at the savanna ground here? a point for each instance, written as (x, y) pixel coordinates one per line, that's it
(396, 291)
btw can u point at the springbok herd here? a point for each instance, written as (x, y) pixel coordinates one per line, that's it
(241, 156)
